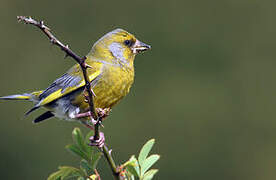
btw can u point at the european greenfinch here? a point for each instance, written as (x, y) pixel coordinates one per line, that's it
(111, 75)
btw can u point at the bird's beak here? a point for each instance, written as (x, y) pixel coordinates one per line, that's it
(139, 47)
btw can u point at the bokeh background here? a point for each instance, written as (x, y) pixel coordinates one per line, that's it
(206, 91)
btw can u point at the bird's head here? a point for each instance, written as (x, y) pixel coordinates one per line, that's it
(118, 46)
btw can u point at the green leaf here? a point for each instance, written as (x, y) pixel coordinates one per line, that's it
(88, 135)
(149, 175)
(132, 170)
(79, 139)
(95, 159)
(145, 151)
(76, 150)
(90, 150)
(65, 172)
(91, 165)
(85, 165)
(148, 163)
(133, 166)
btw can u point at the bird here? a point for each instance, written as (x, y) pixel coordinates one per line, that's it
(110, 73)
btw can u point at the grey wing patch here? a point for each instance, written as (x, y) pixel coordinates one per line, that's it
(63, 82)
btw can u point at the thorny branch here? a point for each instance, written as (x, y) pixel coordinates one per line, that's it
(81, 61)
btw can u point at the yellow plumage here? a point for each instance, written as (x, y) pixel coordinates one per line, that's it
(111, 75)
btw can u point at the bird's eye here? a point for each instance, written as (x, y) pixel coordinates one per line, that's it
(128, 43)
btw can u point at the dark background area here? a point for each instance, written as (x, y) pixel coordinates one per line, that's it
(205, 92)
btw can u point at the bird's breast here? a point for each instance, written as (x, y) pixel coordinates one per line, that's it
(114, 83)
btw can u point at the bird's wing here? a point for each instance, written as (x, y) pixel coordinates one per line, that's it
(70, 81)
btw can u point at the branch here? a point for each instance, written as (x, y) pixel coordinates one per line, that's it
(69, 52)
(81, 61)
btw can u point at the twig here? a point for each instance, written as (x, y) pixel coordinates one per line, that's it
(107, 154)
(84, 66)
(69, 52)
(97, 174)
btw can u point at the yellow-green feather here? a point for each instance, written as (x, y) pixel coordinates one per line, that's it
(114, 83)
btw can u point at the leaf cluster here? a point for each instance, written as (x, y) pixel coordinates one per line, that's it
(88, 163)
(140, 168)
(132, 169)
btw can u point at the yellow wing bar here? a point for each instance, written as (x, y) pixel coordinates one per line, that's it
(61, 92)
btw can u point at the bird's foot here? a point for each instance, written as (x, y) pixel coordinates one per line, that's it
(86, 114)
(97, 142)
(81, 115)
(103, 112)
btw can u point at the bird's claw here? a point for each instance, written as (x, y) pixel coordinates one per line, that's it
(99, 142)
(86, 114)
(81, 115)
(103, 112)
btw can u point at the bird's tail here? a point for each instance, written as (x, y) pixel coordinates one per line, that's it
(34, 96)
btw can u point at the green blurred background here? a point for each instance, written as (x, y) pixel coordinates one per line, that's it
(205, 92)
